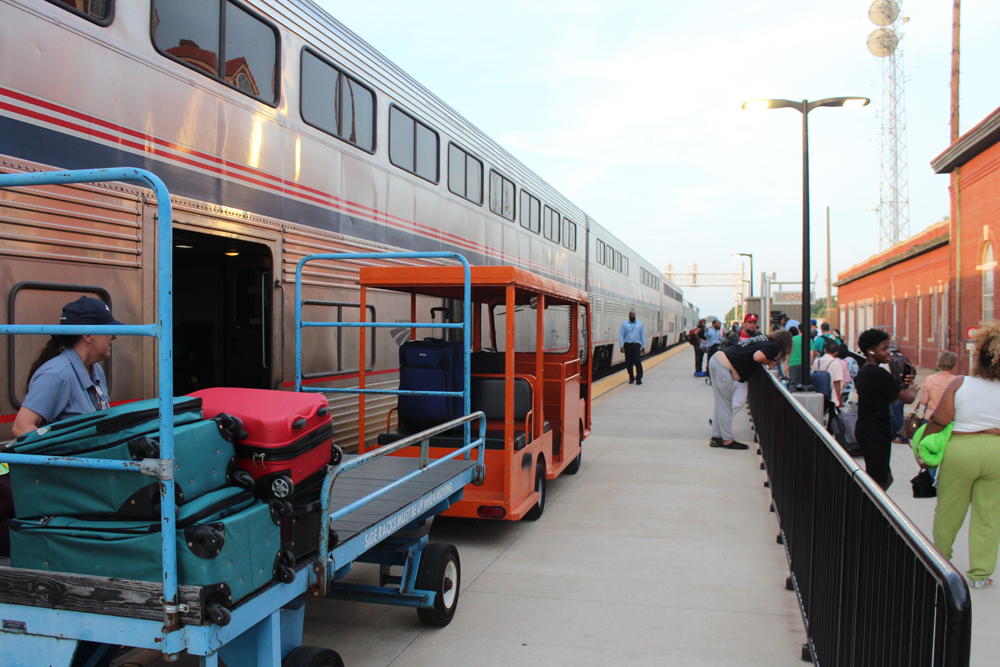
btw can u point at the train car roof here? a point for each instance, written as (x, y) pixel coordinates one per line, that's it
(447, 282)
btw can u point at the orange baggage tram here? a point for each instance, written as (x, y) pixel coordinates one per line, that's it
(532, 381)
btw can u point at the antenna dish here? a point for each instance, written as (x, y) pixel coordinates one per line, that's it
(884, 12)
(882, 42)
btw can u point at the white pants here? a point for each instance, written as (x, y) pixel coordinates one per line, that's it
(739, 395)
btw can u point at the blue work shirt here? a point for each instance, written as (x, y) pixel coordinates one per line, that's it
(62, 388)
(632, 332)
(714, 336)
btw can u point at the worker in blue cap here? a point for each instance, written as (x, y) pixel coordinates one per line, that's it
(66, 379)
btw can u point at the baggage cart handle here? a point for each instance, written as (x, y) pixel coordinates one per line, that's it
(162, 330)
(327, 517)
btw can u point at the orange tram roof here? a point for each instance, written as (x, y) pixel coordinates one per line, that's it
(487, 281)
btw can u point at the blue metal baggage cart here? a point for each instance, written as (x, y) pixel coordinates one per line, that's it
(374, 509)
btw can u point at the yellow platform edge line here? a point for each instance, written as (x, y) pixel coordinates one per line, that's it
(605, 386)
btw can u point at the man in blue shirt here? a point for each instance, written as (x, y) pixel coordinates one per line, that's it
(632, 341)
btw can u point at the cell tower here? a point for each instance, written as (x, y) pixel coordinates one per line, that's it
(894, 200)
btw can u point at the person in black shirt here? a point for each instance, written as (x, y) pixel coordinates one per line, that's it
(738, 363)
(877, 390)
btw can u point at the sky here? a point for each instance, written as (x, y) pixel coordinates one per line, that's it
(633, 111)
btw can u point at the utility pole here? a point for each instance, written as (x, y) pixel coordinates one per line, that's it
(829, 289)
(956, 178)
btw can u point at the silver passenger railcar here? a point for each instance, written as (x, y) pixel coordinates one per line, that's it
(281, 133)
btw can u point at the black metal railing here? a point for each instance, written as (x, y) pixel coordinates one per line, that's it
(872, 588)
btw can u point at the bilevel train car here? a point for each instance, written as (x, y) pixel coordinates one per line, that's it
(280, 133)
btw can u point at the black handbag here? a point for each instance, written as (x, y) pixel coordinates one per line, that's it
(923, 485)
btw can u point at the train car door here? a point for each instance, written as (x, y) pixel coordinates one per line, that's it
(223, 312)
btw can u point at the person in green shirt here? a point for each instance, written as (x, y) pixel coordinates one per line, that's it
(795, 359)
(819, 341)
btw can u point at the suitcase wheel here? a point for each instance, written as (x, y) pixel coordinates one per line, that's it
(336, 455)
(231, 427)
(282, 508)
(244, 479)
(282, 486)
(218, 614)
(143, 448)
(205, 540)
(284, 566)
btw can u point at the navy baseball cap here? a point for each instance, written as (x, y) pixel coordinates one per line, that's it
(812, 322)
(87, 310)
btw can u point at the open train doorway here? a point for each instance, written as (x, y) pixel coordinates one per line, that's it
(222, 312)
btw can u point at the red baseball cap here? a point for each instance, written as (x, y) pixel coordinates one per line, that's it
(751, 317)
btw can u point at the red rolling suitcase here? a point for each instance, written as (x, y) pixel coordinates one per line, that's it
(288, 435)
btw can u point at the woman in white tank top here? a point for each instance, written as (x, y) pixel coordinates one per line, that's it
(970, 468)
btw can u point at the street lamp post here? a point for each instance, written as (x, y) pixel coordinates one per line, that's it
(804, 107)
(750, 255)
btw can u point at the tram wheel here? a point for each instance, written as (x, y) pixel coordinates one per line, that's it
(440, 571)
(312, 656)
(535, 512)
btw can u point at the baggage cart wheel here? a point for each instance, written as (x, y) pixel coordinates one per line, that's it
(282, 486)
(536, 512)
(312, 656)
(218, 614)
(244, 479)
(440, 571)
(574, 467)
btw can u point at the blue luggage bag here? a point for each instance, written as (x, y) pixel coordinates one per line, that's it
(226, 540)
(205, 460)
(432, 364)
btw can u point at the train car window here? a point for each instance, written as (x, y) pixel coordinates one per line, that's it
(569, 236)
(336, 103)
(501, 196)
(625, 265)
(465, 174)
(100, 12)
(552, 225)
(600, 252)
(189, 31)
(531, 213)
(413, 146)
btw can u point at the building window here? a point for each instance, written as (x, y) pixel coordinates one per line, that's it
(413, 146)
(531, 213)
(465, 174)
(100, 12)
(551, 225)
(188, 31)
(906, 319)
(337, 103)
(501, 196)
(988, 268)
(569, 235)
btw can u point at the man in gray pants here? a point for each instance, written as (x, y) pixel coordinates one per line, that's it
(722, 416)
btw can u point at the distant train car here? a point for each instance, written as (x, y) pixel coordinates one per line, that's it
(280, 133)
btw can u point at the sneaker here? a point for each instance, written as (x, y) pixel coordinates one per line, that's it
(638, 381)
(982, 583)
(736, 445)
(715, 442)
(631, 381)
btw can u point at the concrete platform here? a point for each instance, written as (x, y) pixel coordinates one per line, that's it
(661, 551)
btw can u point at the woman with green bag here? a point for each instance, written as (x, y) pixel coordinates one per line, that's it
(969, 471)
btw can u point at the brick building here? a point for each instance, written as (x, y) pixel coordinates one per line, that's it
(974, 163)
(930, 289)
(904, 290)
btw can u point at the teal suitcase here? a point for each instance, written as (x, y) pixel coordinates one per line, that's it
(226, 540)
(204, 460)
(96, 430)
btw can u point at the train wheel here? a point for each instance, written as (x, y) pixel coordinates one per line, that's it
(535, 512)
(440, 571)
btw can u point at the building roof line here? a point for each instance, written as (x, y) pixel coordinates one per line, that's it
(915, 251)
(969, 145)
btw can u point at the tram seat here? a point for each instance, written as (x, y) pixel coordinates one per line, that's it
(487, 394)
